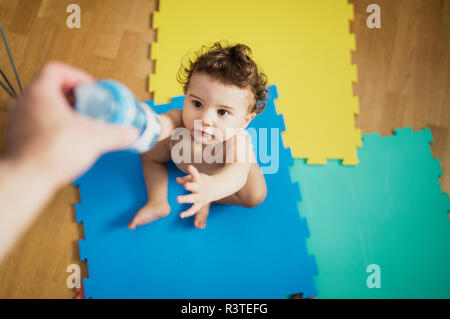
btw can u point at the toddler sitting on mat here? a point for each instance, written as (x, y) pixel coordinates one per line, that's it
(224, 91)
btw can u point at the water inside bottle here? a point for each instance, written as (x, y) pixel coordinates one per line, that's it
(96, 102)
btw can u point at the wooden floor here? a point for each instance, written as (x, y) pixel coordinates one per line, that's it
(113, 42)
(404, 71)
(403, 80)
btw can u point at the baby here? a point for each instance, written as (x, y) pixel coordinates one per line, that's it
(224, 91)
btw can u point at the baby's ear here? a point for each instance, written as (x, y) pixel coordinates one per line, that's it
(249, 118)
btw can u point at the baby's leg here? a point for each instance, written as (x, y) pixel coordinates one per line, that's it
(155, 175)
(252, 193)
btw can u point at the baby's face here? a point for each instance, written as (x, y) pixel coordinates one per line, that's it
(221, 110)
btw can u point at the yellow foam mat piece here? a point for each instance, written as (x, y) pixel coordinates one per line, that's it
(303, 46)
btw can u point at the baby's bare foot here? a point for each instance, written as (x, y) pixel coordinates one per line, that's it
(201, 216)
(150, 212)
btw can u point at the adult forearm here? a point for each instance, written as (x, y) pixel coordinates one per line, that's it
(24, 190)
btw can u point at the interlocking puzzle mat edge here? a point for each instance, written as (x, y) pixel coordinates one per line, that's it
(178, 101)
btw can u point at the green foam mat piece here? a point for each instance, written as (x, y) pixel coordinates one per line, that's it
(389, 211)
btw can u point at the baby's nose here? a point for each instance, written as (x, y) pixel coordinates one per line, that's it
(208, 119)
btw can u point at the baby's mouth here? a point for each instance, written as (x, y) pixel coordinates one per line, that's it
(204, 134)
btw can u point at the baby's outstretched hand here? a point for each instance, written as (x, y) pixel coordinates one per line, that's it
(200, 186)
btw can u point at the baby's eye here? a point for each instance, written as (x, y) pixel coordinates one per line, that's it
(197, 103)
(222, 112)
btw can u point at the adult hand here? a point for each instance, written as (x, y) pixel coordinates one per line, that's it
(47, 145)
(48, 136)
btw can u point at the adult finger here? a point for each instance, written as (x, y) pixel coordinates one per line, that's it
(106, 137)
(62, 77)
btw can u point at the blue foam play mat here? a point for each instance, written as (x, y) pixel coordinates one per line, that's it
(255, 252)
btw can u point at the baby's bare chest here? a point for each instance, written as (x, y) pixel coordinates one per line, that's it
(185, 152)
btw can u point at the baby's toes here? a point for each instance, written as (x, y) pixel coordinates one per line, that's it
(140, 219)
(137, 221)
(149, 213)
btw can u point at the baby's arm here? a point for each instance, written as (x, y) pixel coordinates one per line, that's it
(228, 180)
(225, 182)
(209, 188)
(169, 121)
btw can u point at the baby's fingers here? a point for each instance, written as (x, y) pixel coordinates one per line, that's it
(191, 211)
(190, 198)
(184, 179)
(192, 187)
(194, 173)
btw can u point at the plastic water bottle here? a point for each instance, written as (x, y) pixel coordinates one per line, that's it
(112, 102)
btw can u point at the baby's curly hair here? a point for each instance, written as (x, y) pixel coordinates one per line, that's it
(230, 65)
